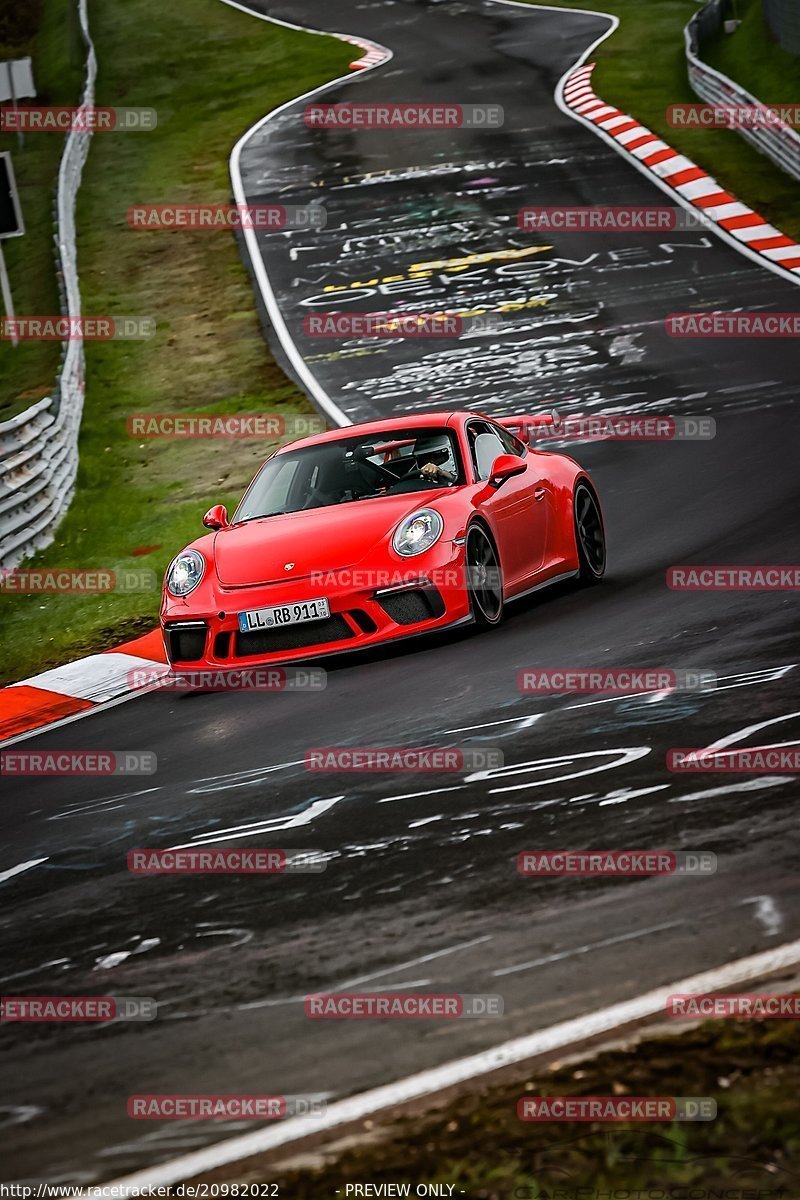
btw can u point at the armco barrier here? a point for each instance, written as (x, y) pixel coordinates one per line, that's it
(779, 142)
(39, 447)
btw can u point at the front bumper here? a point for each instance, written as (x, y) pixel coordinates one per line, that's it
(367, 608)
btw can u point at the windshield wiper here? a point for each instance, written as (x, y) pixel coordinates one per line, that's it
(279, 512)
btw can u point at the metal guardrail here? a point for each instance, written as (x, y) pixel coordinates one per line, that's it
(778, 141)
(39, 447)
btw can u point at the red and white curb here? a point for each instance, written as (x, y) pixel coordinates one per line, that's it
(691, 185)
(374, 53)
(80, 687)
(372, 58)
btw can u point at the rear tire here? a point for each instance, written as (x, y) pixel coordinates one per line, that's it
(484, 577)
(590, 536)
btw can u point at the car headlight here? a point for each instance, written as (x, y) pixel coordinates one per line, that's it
(418, 532)
(185, 572)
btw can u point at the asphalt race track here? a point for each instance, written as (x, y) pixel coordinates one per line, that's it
(420, 889)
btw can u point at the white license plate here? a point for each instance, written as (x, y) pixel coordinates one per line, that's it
(284, 614)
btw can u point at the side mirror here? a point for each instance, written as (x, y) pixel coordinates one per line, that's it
(506, 466)
(216, 517)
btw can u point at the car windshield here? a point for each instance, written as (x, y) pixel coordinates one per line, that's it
(352, 469)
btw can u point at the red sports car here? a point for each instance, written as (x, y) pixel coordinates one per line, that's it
(379, 531)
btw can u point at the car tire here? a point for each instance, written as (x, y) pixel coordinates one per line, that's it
(590, 535)
(484, 577)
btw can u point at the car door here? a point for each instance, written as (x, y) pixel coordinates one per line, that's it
(519, 507)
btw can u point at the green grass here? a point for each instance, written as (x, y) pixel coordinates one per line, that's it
(211, 72)
(753, 59)
(641, 69)
(28, 371)
(477, 1143)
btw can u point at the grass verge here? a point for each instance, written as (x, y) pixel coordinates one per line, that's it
(477, 1143)
(211, 72)
(641, 69)
(51, 37)
(752, 58)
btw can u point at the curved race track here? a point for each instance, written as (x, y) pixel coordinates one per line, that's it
(420, 887)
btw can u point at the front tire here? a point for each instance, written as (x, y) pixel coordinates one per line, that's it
(590, 536)
(484, 577)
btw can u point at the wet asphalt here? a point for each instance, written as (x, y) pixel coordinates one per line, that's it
(420, 890)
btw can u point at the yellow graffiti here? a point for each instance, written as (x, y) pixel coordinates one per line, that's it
(454, 265)
(470, 260)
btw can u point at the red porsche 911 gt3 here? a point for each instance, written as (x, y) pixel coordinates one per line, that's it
(380, 531)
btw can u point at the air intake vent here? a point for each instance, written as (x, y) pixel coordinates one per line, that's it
(186, 642)
(407, 608)
(293, 637)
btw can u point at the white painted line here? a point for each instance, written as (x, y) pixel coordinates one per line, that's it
(729, 789)
(26, 866)
(560, 955)
(436, 1079)
(295, 821)
(412, 962)
(315, 389)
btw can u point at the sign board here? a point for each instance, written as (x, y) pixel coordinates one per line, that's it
(10, 214)
(16, 80)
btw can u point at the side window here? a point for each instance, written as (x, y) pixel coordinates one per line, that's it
(511, 444)
(485, 446)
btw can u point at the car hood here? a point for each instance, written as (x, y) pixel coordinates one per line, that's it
(273, 549)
